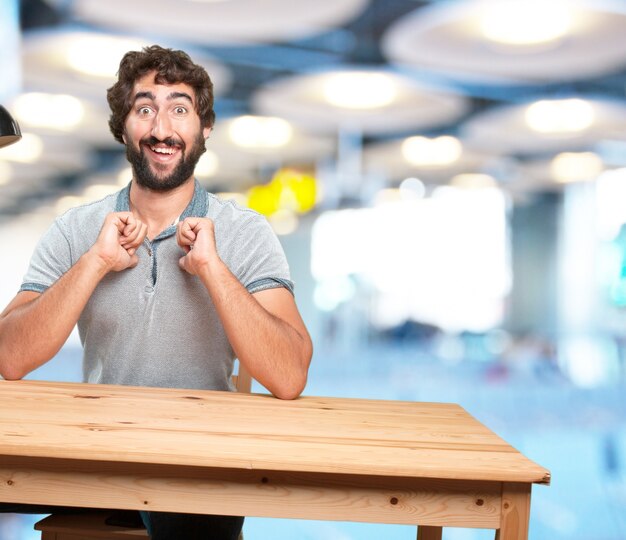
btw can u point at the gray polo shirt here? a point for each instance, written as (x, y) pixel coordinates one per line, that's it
(155, 324)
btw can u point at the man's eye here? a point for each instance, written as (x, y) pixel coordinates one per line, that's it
(144, 111)
(180, 110)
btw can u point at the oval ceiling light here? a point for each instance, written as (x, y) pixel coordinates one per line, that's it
(525, 22)
(576, 166)
(57, 111)
(99, 55)
(359, 90)
(84, 64)
(524, 128)
(560, 116)
(499, 42)
(473, 181)
(220, 22)
(260, 131)
(370, 101)
(437, 152)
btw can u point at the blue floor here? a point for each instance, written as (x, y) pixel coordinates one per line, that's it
(579, 434)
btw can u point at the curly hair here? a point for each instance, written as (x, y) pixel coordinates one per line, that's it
(171, 67)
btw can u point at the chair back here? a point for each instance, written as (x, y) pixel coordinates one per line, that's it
(243, 380)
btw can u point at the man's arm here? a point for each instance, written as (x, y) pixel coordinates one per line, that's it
(35, 326)
(264, 329)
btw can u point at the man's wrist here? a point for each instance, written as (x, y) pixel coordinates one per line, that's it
(94, 260)
(213, 269)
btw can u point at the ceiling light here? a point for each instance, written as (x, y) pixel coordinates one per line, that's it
(473, 181)
(560, 116)
(260, 132)
(28, 151)
(10, 132)
(576, 166)
(437, 152)
(525, 22)
(99, 56)
(58, 111)
(359, 90)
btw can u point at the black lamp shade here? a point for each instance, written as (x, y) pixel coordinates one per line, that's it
(9, 130)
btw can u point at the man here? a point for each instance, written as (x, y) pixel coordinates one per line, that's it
(167, 283)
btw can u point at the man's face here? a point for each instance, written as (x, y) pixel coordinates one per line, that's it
(163, 136)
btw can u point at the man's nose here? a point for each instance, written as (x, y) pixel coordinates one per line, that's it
(162, 126)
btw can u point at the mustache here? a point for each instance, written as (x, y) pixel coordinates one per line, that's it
(170, 141)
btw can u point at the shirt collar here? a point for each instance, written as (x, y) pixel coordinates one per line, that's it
(197, 207)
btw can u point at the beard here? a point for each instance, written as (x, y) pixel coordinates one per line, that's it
(143, 173)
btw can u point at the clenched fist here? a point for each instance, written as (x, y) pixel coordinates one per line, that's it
(197, 237)
(120, 236)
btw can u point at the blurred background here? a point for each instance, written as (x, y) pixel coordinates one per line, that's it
(448, 180)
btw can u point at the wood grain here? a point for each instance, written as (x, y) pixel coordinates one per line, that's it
(230, 430)
(251, 493)
(515, 511)
(426, 464)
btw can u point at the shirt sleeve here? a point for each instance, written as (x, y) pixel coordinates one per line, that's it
(50, 260)
(256, 257)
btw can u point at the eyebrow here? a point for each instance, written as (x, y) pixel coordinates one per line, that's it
(171, 96)
(141, 95)
(177, 95)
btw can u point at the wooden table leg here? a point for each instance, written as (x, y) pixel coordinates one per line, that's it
(515, 511)
(428, 533)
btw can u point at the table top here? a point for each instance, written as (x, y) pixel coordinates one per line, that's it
(254, 432)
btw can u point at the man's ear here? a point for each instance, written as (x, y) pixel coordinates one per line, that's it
(124, 138)
(206, 131)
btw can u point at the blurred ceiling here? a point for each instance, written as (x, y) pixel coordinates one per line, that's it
(372, 92)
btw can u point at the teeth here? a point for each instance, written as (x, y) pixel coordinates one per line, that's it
(160, 150)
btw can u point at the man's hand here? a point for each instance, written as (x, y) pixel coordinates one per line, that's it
(197, 237)
(120, 236)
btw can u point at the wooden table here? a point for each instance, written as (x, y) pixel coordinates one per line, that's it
(426, 464)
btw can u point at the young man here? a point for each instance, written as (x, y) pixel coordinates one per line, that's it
(167, 283)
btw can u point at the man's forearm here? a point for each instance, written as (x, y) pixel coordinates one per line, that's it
(33, 331)
(275, 353)
(34, 328)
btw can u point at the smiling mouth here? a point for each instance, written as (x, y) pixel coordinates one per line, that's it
(162, 153)
(161, 150)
